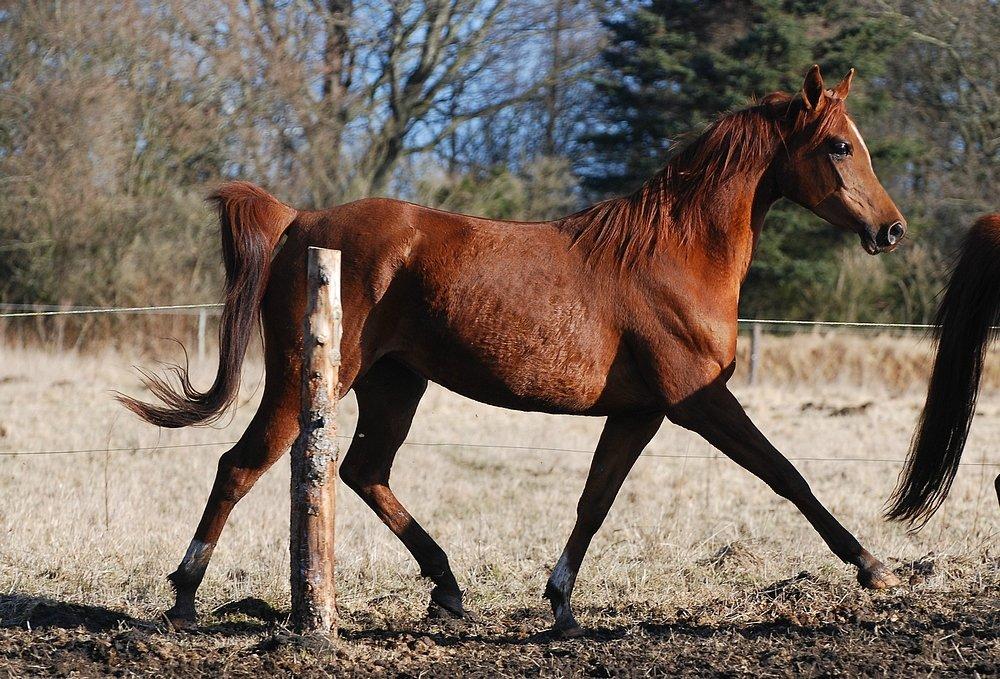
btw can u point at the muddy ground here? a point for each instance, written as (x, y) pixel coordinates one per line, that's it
(801, 626)
(699, 568)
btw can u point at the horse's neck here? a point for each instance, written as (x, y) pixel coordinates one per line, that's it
(701, 279)
(765, 196)
(735, 215)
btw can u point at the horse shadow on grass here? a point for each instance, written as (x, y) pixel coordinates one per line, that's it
(458, 635)
(238, 618)
(525, 627)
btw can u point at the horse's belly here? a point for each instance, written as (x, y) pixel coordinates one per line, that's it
(562, 359)
(554, 381)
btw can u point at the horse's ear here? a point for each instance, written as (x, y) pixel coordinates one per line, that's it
(843, 88)
(813, 90)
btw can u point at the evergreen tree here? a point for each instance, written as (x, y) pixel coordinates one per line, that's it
(672, 65)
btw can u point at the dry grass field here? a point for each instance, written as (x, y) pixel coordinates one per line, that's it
(699, 568)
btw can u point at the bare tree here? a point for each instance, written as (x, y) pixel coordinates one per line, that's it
(945, 89)
(340, 90)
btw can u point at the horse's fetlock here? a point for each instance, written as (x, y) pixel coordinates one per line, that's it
(184, 581)
(437, 569)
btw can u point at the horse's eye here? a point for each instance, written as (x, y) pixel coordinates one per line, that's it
(839, 147)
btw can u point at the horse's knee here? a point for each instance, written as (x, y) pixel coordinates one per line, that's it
(790, 485)
(355, 477)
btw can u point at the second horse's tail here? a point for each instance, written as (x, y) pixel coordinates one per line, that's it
(969, 310)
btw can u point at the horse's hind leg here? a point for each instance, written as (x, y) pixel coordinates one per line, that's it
(621, 442)
(388, 395)
(270, 433)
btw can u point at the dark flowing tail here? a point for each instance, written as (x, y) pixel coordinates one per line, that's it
(969, 310)
(252, 222)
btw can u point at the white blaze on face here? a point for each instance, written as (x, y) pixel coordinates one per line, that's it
(861, 141)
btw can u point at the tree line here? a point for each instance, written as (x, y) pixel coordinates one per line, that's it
(116, 118)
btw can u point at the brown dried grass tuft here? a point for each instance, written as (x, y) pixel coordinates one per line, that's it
(895, 363)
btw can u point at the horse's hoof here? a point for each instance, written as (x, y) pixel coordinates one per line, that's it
(878, 578)
(436, 611)
(571, 631)
(446, 604)
(180, 620)
(179, 624)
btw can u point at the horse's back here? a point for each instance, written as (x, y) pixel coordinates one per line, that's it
(503, 312)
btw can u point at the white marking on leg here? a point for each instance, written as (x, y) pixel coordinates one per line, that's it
(562, 577)
(561, 581)
(197, 556)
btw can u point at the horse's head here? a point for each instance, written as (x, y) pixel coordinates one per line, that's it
(827, 169)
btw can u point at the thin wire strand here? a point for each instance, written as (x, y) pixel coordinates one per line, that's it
(126, 449)
(837, 324)
(480, 446)
(52, 310)
(169, 308)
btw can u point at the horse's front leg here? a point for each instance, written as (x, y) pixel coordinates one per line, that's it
(621, 442)
(716, 415)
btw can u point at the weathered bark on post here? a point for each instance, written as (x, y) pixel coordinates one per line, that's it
(314, 455)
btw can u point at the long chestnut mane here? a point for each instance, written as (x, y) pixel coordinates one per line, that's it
(626, 231)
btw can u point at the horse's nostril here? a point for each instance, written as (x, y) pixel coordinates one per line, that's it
(890, 235)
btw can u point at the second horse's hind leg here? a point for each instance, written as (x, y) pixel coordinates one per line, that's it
(388, 395)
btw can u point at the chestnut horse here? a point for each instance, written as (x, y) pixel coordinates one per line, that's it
(626, 309)
(966, 318)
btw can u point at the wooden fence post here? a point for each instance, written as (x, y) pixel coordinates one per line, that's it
(754, 351)
(314, 455)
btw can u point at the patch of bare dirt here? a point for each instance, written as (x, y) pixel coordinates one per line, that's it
(795, 626)
(836, 411)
